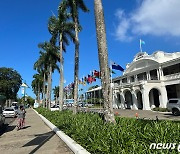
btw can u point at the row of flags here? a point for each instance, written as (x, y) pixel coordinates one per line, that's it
(96, 74)
(90, 78)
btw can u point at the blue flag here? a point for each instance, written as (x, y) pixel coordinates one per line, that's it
(116, 67)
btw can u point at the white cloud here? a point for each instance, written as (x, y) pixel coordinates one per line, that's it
(153, 17)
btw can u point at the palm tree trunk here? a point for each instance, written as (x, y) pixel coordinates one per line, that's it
(76, 68)
(61, 82)
(50, 86)
(47, 95)
(38, 93)
(44, 81)
(103, 61)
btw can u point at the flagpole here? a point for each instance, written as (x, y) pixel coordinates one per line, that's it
(140, 45)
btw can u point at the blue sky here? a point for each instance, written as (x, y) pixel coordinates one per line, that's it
(23, 24)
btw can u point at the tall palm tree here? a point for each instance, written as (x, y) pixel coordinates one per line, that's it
(51, 59)
(74, 6)
(103, 61)
(41, 66)
(61, 29)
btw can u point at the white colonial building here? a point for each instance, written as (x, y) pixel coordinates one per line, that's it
(148, 81)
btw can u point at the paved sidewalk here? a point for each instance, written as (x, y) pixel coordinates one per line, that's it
(36, 137)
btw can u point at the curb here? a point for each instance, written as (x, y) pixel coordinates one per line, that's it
(161, 112)
(76, 148)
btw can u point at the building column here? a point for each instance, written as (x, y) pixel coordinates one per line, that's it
(163, 97)
(145, 99)
(148, 75)
(161, 73)
(134, 98)
(114, 100)
(158, 75)
(122, 105)
(135, 78)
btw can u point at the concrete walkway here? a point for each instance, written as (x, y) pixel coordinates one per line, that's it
(36, 137)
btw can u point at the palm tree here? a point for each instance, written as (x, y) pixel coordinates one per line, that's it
(74, 6)
(61, 29)
(103, 61)
(56, 94)
(51, 59)
(37, 85)
(41, 66)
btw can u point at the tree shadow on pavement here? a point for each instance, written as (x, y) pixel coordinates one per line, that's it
(5, 128)
(40, 140)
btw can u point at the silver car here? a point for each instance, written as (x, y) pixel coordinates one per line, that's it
(9, 112)
(174, 106)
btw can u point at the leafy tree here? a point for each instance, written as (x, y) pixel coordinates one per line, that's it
(103, 61)
(29, 100)
(10, 82)
(75, 6)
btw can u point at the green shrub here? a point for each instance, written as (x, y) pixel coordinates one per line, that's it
(129, 135)
(160, 109)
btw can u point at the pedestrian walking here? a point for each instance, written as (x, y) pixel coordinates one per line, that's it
(21, 118)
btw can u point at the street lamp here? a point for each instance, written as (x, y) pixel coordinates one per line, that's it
(24, 86)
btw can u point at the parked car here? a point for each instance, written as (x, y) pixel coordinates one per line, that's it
(89, 105)
(9, 112)
(81, 104)
(54, 108)
(174, 106)
(69, 102)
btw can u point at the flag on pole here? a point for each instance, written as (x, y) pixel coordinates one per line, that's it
(111, 71)
(141, 42)
(116, 66)
(96, 74)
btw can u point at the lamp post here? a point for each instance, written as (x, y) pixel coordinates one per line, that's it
(24, 86)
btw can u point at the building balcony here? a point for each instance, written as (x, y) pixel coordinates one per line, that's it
(172, 76)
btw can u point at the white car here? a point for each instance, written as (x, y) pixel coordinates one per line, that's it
(174, 106)
(54, 108)
(9, 112)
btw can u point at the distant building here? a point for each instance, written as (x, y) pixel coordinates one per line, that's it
(148, 81)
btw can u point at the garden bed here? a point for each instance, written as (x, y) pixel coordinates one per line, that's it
(127, 136)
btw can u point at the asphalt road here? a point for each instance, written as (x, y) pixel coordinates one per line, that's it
(5, 127)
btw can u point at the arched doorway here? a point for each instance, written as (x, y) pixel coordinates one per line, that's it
(139, 100)
(154, 98)
(128, 99)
